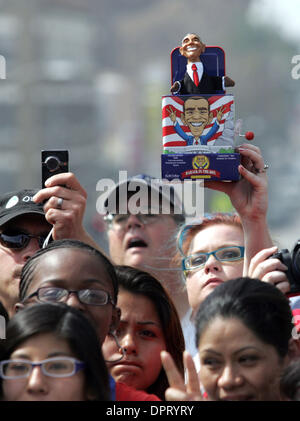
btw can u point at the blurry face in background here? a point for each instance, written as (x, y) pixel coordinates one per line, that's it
(201, 282)
(38, 386)
(144, 246)
(236, 365)
(141, 335)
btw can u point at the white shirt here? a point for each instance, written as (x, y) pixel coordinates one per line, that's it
(189, 333)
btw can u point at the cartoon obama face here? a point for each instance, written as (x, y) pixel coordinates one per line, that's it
(196, 115)
(192, 47)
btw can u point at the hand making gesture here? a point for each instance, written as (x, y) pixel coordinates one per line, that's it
(178, 390)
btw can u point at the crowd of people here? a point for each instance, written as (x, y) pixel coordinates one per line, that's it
(176, 311)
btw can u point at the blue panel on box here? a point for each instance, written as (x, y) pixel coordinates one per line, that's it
(210, 166)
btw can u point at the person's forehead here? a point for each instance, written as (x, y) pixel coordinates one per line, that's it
(138, 307)
(235, 333)
(71, 265)
(218, 235)
(149, 198)
(196, 103)
(42, 342)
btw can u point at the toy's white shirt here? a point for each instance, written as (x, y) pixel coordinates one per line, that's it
(190, 72)
(189, 332)
(199, 66)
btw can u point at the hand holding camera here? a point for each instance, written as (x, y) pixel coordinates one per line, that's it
(267, 266)
(292, 261)
(64, 197)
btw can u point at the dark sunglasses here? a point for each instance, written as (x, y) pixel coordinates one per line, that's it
(19, 240)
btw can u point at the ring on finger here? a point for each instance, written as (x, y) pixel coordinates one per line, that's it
(59, 203)
(259, 171)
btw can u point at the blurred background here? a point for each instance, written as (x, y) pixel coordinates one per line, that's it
(88, 76)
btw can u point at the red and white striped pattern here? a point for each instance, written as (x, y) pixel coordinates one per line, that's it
(171, 138)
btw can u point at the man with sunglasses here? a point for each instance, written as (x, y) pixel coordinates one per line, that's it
(22, 230)
(27, 217)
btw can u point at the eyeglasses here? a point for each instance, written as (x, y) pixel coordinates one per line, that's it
(19, 241)
(94, 297)
(224, 254)
(52, 367)
(119, 221)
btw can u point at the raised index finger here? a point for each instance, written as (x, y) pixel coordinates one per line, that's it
(66, 179)
(174, 377)
(193, 385)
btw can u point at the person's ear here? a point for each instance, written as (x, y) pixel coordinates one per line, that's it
(210, 118)
(203, 46)
(181, 50)
(18, 307)
(115, 320)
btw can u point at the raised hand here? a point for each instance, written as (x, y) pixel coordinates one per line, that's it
(175, 87)
(172, 114)
(269, 270)
(220, 113)
(178, 390)
(65, 203)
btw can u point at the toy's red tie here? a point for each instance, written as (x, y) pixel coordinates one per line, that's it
(195, 74)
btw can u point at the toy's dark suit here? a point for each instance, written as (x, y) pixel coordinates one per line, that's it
(207, 85)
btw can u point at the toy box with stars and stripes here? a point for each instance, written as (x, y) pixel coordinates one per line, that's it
(198, 129)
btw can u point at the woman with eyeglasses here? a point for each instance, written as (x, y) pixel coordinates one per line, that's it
(149, 324)
(244, 339)
(74, 273)
(52, 353)
(213, 252)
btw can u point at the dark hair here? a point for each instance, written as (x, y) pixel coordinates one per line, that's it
(142, 283)
(66, 323)
(260, 306)
(290, 381)
(31, 264)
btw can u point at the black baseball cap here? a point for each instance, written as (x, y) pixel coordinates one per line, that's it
(18, 203)
(168, 195)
